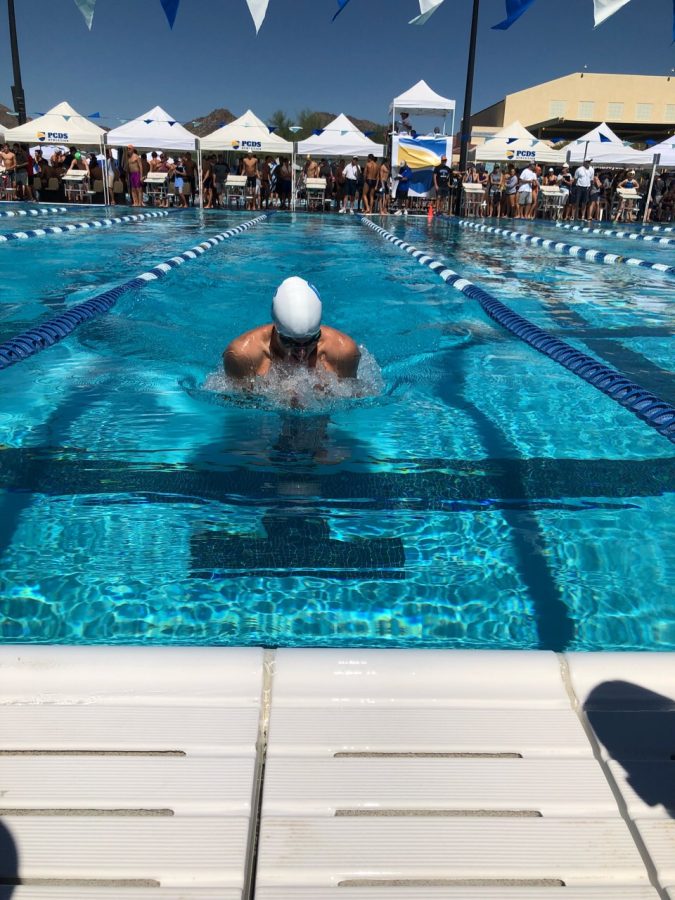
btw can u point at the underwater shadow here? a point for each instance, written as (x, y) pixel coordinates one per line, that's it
(637, 728)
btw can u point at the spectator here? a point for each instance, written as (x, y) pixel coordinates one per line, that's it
(583, 178)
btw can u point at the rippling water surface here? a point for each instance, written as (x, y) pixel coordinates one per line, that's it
(466, 492)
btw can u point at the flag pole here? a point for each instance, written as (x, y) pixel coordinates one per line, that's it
(18, 96)
(465, 134)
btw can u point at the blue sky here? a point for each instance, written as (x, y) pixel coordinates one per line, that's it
(131, 60)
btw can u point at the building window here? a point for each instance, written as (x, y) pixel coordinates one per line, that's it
(614, 111)
(586, 109)
(670, 112)
(643, 111)
(556, 109)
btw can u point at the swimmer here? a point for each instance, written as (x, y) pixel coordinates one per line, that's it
(295, 339)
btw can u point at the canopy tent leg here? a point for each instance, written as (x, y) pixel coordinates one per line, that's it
(199, 174)
(657, 160)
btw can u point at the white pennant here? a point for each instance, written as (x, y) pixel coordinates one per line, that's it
(258, 9)
(605, 8)
(427, 9)
(86, 7)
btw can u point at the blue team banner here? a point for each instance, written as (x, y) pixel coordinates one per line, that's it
(422, 154)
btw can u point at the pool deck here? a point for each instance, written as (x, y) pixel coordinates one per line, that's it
(173, 773)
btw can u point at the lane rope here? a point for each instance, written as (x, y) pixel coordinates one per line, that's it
(630, 235)
(646, 406)
(49, 333)
(595, 256)
(47, 211)
(79, 226)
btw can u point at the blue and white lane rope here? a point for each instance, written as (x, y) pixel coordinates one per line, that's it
(78, 226)
(647, 406)
(650, 227)
(608, 232)
(46, 211)
(49, 333)
(595, 256)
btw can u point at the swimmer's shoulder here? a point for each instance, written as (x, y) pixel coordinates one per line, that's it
(340, 351)
(244, 355)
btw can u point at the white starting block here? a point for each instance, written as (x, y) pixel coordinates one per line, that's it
(76, 185)
(551, 201)
(316, 192)
(473, 197)
(235, 189)
(156, 186)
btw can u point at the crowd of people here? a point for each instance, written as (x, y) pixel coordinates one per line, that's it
(350, 186)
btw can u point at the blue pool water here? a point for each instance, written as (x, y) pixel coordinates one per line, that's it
(477, 495)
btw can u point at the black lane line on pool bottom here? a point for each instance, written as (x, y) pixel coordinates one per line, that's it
(49, 333)
(655, 412)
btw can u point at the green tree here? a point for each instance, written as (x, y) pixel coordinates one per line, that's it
(282, 125)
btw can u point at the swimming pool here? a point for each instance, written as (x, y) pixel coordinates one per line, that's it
(481, 497)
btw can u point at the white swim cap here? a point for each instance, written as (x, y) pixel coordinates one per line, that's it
(296, 309)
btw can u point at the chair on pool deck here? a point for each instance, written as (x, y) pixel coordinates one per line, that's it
(626, 204)
(473, 197)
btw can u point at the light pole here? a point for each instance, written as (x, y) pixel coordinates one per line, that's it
(465, 134)
(18, 97)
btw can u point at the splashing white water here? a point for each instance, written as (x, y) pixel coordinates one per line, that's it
(296, 387)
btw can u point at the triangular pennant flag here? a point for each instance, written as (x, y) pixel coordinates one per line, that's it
(258, 10)
(171, 123)
(86, 7)
(427, 9)
(511, 140)
(604, 139)
(170, 7)
(94, 116)
(66, 118)
(514, 10)
(369, 133)
(147, 121)
(341, 4)
(603, 9)
(271, 128)
(650, 142)
(318, 131)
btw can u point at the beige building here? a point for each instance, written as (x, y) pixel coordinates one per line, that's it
(637, 107)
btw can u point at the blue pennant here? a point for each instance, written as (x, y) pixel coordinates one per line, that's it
(604, 139)
(170, 7)
(318, 131)
(271, 128)
(94, 116)
(147, 121)
(171, 123)
(650, 142)
(341, 4)
(514, 10)
(511, 140)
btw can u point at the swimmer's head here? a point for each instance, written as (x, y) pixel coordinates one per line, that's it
(296, 309)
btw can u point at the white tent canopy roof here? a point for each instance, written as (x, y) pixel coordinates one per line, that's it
(154, 130)
(599, 141)
(61, 125)
(245, 131)
(516, 144)
(420, 100)
(340, 138)
(666, 150)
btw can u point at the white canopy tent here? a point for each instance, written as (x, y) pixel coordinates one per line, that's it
(516, 144)
(420, 100)
(340, 138)
(248, 132)
(599, 140)
(665, 151)
(154, 130)
(61, 125)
